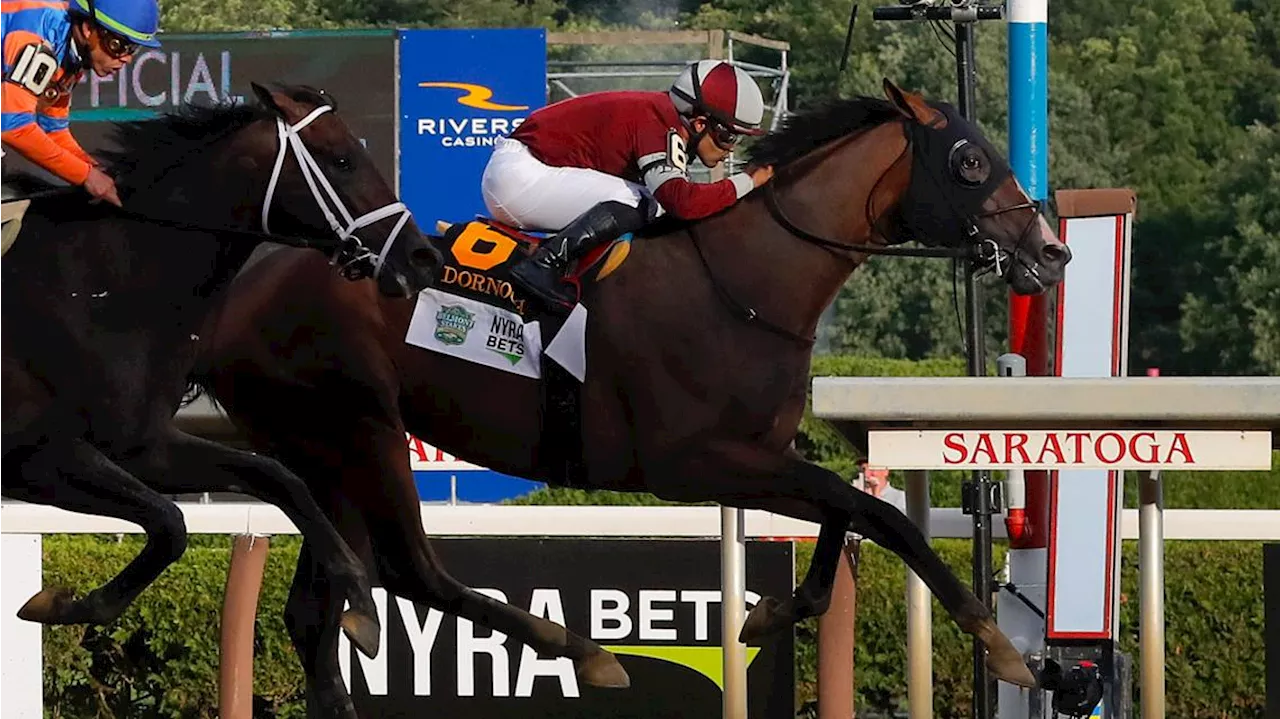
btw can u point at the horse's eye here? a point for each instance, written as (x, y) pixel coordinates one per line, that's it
(969, 165)
(342, 162)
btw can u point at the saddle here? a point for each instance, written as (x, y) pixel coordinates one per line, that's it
(479, 256)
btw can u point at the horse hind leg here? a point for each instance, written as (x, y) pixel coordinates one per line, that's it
(745, 475)
(409, 567)
(195, 464)
(435, 588)
(77, 477)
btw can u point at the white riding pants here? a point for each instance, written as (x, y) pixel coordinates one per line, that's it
(520, 190)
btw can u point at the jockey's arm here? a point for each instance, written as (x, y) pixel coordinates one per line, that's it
(24, 126)
(663, 158)
(689, 200)
(56, 122)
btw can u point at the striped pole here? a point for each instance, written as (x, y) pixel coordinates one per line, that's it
(1028, 511)
(1029, 159)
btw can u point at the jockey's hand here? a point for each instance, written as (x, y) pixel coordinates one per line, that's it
(761, 175)
(101, 186)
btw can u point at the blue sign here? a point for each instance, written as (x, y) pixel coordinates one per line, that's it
(461, 89)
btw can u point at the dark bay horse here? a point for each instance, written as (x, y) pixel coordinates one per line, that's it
(689, 394)
(103, 308)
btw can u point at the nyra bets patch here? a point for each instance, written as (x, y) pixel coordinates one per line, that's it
(476, 332)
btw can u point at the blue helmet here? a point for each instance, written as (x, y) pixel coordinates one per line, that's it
(134, 20)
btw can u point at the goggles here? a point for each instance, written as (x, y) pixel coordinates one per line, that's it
(724, 137)
(116, 45)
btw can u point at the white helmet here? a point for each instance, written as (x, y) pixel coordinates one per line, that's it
(721, 91)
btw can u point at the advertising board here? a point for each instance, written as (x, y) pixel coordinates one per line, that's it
(357, 68)
(653, 603)
(461, 89)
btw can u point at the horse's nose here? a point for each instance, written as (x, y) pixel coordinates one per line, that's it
(1055, 254)
(426, 257)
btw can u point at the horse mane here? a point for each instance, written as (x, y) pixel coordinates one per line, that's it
(800, 134)
(146, 149)
(806, 131)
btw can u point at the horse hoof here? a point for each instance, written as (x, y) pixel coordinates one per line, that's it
(49, 606)
(332, 704)
(602, 669)
(363, 630)
(1003, 659)
(763, 620)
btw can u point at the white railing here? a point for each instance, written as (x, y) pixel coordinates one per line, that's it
(621, 521)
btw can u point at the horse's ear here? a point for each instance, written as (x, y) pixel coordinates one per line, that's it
(911, 105)
(267, 99)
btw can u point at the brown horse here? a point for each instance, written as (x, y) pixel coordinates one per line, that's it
(103, 308)
(692, 393)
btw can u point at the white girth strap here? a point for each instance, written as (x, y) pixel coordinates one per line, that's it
(347, 227)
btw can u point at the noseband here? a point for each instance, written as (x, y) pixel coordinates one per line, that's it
(353, 258)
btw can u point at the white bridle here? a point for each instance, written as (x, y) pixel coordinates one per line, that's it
(288, 135)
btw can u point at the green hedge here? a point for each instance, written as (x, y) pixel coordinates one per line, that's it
(160, 659)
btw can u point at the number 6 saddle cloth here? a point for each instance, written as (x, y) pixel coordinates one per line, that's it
(476, 313)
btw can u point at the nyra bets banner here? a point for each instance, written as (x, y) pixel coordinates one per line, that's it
(459, 91)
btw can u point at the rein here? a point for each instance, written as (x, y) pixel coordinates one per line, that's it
(982, 250)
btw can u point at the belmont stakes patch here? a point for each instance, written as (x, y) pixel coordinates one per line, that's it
(487, 335)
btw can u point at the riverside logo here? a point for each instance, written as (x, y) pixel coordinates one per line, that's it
(655, 604)
(470, 131)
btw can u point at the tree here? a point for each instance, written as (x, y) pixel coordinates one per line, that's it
(1232, 324)
(226, 15)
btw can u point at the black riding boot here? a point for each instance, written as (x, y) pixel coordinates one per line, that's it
(540, 274)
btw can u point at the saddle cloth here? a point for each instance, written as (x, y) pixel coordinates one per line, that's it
(476, 313)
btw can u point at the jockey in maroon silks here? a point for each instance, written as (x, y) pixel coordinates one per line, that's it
(595, 167)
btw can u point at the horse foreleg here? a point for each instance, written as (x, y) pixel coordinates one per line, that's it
(77, 477)
(193, 464)
(311, 616)
(744, 475)
(381, 484)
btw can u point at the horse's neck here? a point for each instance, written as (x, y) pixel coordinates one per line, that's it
(788, 277)
(220, 199)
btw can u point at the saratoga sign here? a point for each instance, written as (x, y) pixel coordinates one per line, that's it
(1070, 449)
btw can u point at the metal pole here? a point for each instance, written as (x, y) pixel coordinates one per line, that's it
(733, 594)
(983, 685)
(1151, 569)
(919, 610)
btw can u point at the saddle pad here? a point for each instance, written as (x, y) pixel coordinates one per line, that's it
(492, 336)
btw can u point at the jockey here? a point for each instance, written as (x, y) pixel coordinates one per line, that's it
(598, 166)
(48, 44)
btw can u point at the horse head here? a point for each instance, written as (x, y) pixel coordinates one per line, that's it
(333, 186)
(961, 194)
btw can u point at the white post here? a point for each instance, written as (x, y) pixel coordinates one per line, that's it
(21, 670)
(919, 610)
(1151, 590)
(733, 594)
